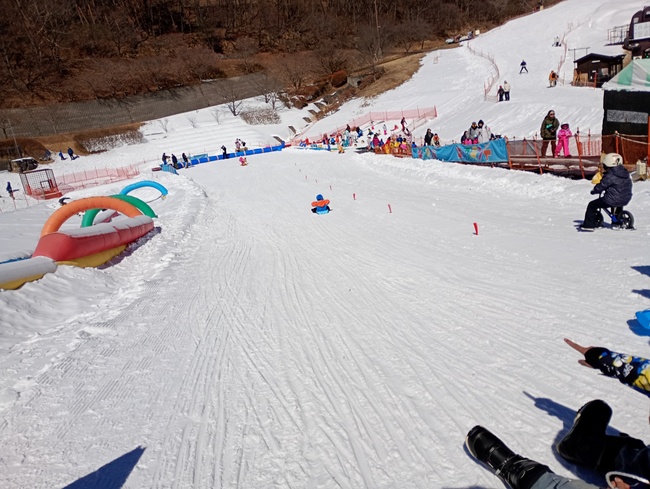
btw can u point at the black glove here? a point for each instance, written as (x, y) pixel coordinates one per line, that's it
(593, 192)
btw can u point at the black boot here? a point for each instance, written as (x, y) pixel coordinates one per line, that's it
(585, 441)
(516, 471)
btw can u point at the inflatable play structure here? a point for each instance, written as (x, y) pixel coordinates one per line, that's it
(96, 216)
(143, 207)
(320, 205)
(89, 246)
(144, 183)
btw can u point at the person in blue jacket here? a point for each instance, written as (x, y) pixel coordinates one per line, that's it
(617, 187)
(320, 205)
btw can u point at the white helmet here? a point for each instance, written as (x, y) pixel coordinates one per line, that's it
(612, 159)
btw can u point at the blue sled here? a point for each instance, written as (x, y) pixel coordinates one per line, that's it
(644, 318)
(322, 210)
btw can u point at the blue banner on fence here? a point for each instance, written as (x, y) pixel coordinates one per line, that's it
(494, 151)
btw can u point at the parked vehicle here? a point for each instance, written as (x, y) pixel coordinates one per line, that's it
(23, 164)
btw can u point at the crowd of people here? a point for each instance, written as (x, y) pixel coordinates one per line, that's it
(476, 134)
(379, 139)
(174, 162)
(185, 162)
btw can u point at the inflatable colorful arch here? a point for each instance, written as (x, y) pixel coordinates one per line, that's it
(145, 183)
(142, 206)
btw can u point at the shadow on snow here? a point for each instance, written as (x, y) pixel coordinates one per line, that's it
(113, 475)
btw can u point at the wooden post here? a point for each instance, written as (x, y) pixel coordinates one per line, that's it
(539, 161)
(508, 153)
(579, 145)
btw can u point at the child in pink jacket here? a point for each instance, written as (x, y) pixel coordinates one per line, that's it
(563, 136)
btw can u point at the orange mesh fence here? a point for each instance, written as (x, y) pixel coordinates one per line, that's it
(98, 176)
(414, 118)
(589, 145)
(631, 148)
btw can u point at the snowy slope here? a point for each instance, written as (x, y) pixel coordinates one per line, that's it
(249, 343)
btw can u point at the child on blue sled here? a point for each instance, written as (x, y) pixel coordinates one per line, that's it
(321, 205)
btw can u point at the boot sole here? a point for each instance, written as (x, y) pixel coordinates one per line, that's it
(606, 413)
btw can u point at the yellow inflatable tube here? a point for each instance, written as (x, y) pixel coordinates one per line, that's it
(14, 274)
(96, 259)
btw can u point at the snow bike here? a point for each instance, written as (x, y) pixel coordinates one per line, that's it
(621, 219)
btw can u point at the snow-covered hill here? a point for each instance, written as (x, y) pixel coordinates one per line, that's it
(249, 343)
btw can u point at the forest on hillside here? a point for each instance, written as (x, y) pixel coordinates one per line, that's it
(67, 50)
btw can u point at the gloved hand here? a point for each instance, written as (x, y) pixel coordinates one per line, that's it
(593, 192)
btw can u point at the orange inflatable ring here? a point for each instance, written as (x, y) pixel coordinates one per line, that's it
(61, 215)
(320, 203)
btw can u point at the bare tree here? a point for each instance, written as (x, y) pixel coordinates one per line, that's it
(164, 124)
(5, 124)
(331, 60)
(216, 115)
(295, 74)
(272, 98)
(246, 48)
(368, 45)
(231, 96)
(192, 120)
(269, 87)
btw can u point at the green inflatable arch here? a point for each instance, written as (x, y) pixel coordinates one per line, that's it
(141, 205)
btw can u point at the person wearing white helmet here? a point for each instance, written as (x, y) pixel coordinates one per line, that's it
(615, 189)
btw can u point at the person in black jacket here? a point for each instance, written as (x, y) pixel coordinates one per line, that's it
(428, 137)
(617, 187)
(623, 459)
(588, 444)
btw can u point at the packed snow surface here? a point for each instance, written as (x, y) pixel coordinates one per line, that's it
(248, 343)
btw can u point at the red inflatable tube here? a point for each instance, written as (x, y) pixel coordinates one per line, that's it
(77, 243)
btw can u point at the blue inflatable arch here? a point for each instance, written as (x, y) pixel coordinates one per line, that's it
(144, 183)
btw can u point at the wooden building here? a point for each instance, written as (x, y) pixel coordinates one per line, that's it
(638, 40)
(596, 69)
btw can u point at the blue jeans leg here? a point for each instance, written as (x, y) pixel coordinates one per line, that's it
(553, 481)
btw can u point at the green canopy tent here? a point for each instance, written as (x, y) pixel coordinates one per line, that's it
(626, 104)
(627, 100)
